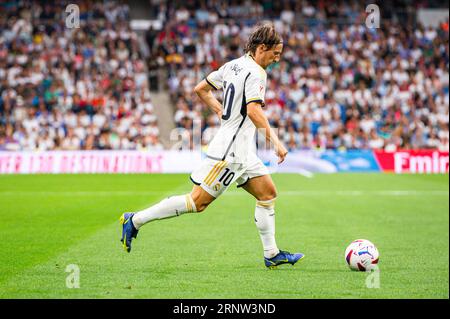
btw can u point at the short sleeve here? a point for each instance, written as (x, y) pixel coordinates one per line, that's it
(255, 89)
(215, 78)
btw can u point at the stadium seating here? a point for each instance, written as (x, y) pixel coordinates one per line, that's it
(70, 89)
(340, 85)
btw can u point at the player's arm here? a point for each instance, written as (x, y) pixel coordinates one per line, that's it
(257, 116)
(203, 90)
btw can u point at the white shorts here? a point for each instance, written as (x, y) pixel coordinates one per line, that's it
(216, 176)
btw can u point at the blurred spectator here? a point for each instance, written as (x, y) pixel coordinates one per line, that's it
(339, 85)
(72, 89)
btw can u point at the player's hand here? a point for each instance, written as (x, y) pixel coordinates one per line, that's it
(219, 114)
(281, 152)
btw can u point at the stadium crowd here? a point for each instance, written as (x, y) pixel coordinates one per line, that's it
(339, 85)
(72, 88)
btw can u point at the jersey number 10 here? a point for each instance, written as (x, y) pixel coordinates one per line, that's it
(227, 178)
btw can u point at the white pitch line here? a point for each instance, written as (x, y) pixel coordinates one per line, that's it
(238, 193)
(305, 173)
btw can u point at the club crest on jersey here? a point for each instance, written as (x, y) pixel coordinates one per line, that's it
(236, 69)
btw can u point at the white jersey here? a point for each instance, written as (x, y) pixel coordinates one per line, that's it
(242, 81)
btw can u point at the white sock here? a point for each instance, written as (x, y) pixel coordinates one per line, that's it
(169, 207)
(265, 222)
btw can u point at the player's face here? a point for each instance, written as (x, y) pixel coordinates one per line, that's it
(272, 55)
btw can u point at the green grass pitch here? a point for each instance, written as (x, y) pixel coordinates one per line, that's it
(49, 222)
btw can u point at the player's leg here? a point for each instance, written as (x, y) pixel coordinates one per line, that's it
(264, 190)
(259, 183)
(169, 207)
(172, 206)
(197, 200)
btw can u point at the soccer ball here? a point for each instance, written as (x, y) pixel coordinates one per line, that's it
(361, 255)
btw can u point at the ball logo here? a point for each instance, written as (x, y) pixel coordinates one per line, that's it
(217, 187)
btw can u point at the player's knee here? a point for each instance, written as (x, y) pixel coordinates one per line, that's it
(269, 195)
(201, 208)
(201, 199)
(200, 205)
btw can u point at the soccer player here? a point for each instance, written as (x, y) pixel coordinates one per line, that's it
(231, 155)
